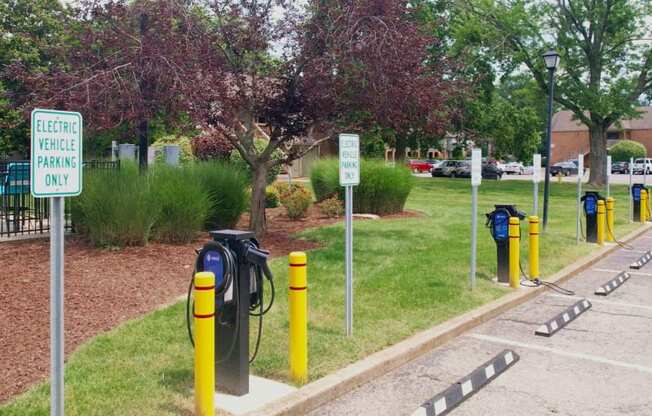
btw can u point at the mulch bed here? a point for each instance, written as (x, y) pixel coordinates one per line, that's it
(103, 288)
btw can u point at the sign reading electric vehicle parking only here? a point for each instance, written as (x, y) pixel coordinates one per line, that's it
(349, 159)
(56, 168)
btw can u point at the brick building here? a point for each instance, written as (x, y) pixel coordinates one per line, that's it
(570, 137)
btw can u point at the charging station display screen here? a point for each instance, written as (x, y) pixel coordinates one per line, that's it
(590, 205)
(213, 262)
(501, 225)
(636, 193)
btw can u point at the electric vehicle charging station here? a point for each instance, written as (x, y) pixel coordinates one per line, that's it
(238, 264)
(636, 199)
(590, 200)
(498, 223)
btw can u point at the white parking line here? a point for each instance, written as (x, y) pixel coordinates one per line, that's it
(603, 302)
(618, 271)
(581, 356)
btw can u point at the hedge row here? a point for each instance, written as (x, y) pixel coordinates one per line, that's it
(382, 190)
(168, 204)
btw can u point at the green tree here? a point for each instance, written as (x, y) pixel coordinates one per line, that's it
(28, 30)
(606, 55)
(626, 149)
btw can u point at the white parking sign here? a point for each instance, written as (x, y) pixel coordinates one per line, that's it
(56, 168)
(349, 159)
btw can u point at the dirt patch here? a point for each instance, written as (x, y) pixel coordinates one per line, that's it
(103, 288)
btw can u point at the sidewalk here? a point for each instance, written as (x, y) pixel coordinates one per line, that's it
(600, 363)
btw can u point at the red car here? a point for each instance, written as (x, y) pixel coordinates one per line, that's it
(421, 166)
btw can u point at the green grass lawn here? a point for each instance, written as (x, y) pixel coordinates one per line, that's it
(409, 275)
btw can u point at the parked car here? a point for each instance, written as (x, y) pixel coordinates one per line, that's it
(446, 168)
(489, 171)
(528, 170)
(515, 168)
(642, 166)
(620, 167)
(420, 166)
(566, 168)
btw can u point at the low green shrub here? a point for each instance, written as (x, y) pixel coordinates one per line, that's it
(184, 203)
(331, 207)
(382, 190)
(296, 199)
(271, 197)
(117, 208)
(226, 186)
(626, 149)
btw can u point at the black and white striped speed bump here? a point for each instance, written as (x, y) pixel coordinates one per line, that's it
(642, 261)
(450, 398)
(561, 320)
(611, 285)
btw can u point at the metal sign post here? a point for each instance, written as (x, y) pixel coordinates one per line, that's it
(349, 177)
(536, 178)
(476, 179)
(629, 189)
(56, 172)
(580, 174)
(608, 174)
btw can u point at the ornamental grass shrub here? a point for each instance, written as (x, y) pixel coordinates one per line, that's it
(382, 190)
(116, 207)
(169, 204)
(184, 204)
(226, 185)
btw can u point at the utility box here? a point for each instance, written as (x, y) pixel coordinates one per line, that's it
(172, 154)
(127, 151)
(498, 223)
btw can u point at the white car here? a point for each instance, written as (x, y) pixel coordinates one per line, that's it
(515, 168)
(642, 166)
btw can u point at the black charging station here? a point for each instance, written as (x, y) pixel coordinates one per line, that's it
(590, 202)
(636, 198)
(239, 265)
(498, 223)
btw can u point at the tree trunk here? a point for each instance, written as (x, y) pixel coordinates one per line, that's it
(258, 221)
(401, 144)
(598, 157)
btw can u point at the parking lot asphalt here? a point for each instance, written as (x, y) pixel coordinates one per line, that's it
(598, 364)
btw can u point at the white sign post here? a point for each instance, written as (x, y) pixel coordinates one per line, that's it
(580, 174)
(349, 177)
(630, 168)
(536, 178)
(608, 174)
(476, 180)
(56, 172)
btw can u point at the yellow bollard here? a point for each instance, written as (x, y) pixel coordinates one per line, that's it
(298, 308)
(533, 253)
(204, 313)
(600, 219)
(514, 240)
(610, 219)
(643, 206)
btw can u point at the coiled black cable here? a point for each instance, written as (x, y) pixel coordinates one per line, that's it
(538, 282)
(227, 282)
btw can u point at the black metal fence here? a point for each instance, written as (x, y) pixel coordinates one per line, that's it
(20, 213)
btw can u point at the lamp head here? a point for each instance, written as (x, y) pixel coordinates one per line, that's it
(551, 59)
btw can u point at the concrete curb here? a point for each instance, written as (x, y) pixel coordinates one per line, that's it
(330, 387)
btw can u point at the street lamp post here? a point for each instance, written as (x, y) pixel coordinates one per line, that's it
(551, 59)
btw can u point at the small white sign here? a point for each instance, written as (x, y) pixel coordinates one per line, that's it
(580, 166)
(536, 166)
(56, 168)
(609, 165)
(476, 167)
(349, 159)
